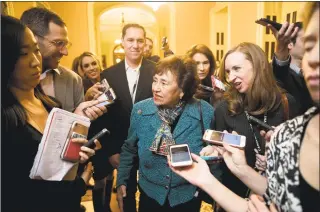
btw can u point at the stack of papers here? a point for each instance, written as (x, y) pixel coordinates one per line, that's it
(48, 164)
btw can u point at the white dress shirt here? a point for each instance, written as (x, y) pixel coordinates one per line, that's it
(133, 78)
(46, 81)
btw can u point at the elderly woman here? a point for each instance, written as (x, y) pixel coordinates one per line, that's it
(172, 116)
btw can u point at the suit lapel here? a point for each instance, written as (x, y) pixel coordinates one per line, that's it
(123, 86)
(143, 82)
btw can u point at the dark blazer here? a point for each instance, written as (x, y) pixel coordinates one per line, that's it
(294, 84)
(117, 119)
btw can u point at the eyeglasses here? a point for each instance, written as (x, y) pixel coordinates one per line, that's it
(59, 44)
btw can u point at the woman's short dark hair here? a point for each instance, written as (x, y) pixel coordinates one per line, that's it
(203, 49)
(12, 37)
(185, 69)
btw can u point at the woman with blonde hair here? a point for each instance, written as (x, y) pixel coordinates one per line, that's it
(91, 68)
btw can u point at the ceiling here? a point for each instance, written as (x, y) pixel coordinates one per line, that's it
(111, 19)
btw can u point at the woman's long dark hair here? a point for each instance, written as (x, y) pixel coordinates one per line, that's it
(12, 35)
(203, 49)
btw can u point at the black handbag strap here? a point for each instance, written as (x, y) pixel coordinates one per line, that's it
(201, 120)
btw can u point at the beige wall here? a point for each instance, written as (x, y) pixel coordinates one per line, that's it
(20, 7)
(192, 25)
(242, 16)
(75, 15)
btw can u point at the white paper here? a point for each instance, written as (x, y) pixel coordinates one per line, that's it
(47, 164)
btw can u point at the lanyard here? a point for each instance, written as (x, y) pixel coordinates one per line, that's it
(254, 135)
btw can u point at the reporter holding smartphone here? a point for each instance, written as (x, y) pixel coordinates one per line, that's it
(292, 175)
(24, 114)
(252, 91)
(172, 116)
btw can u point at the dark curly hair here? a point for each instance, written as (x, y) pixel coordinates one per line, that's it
(185, 69)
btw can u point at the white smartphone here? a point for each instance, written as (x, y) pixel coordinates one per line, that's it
(180, 155)
(217, 138)
(217, 83)
(107, 97)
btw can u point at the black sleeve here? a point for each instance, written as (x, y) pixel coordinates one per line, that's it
(293, 106)
(281, 73)
(219, 123)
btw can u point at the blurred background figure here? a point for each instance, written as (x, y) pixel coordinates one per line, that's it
(76, 67)
(91, 69)
(147, 52)
(205, 61)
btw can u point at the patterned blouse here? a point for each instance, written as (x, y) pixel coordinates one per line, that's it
(283, 163)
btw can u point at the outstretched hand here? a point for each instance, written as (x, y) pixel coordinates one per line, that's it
(197, 174)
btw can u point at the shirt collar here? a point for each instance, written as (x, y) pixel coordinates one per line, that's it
(127, 65)
(295, 68)
(44, 74)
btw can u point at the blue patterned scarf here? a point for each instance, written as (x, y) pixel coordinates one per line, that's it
(163, 138)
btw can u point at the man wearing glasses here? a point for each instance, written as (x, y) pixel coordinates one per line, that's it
(52, 37)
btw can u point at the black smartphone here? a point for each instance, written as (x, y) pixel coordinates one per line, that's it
(207, 88)
(261, 123)
(90, 144)
(265, 22)
(276, 25)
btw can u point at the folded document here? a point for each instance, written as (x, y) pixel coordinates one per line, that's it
(48, 164)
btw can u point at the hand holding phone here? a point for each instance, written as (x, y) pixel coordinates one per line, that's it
(70, 151)
(180, 155)
(217, 83)
(90, 144)
(218, 138)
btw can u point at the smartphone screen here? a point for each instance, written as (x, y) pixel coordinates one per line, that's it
(226, 137)
(180, 154)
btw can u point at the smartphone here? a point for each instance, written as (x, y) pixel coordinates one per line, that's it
(218, 138)
(90, 143)
(217, 83)
(108, 97)
(265, 22)
(211, 158)
(180, 155)
(260, 123)
(206, 88)
(70, 151)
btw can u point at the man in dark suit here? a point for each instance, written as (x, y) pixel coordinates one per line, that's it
(131, 80)
(287, 63)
